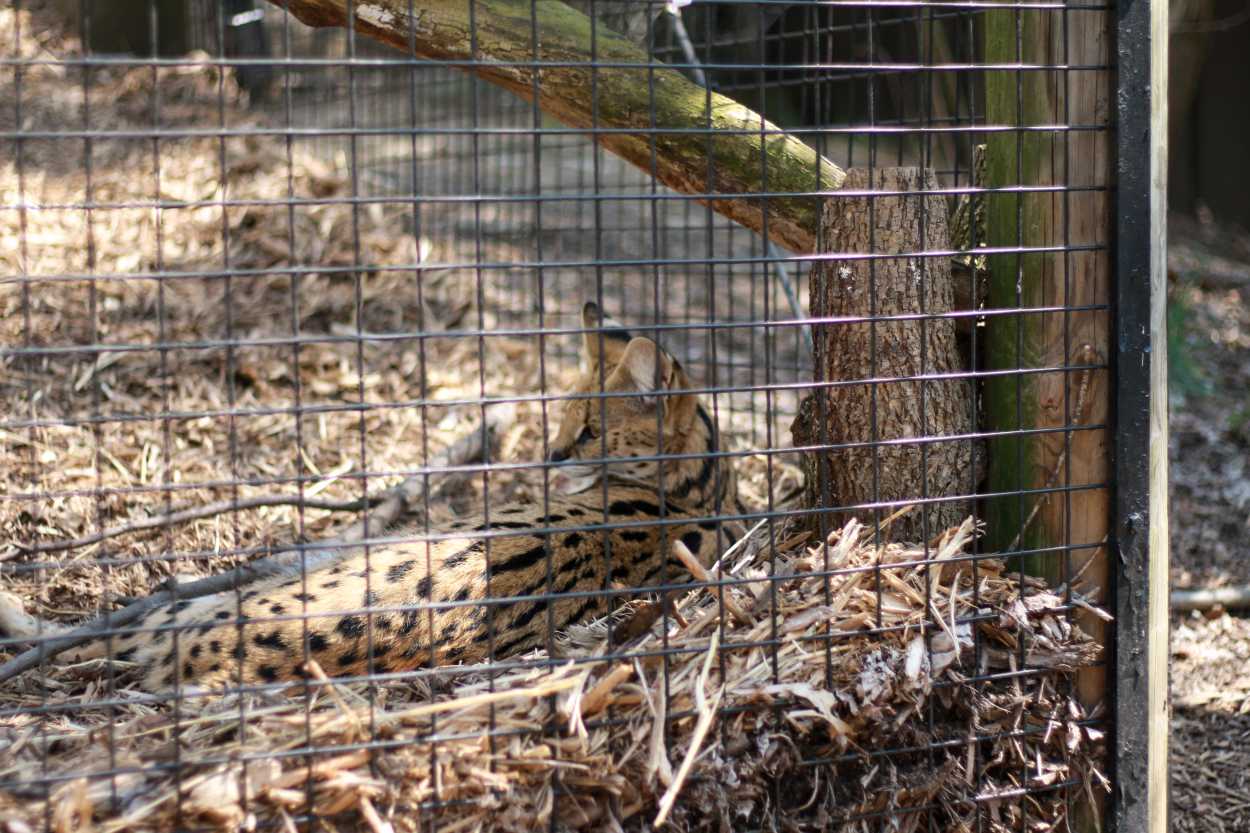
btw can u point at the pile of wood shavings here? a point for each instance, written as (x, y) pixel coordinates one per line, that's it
(888, 698)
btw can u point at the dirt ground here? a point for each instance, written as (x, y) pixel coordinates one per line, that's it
(1210, 355)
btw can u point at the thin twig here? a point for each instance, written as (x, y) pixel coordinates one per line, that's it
(392, 504)
(707, 713)
(700, 573)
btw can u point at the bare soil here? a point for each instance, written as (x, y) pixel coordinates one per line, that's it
(1210, 523)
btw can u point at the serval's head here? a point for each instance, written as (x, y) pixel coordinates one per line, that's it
(631, 411)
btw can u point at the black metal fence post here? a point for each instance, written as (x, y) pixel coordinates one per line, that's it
(1139, 799)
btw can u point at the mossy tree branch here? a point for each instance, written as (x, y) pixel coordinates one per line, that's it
(703, 143)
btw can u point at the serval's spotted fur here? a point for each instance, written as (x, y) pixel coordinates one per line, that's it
(412, 605)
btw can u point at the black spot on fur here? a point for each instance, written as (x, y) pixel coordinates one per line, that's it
(168, 659)
(409, 621)
(351, 627)
(527, 615)
(168, 682)
(178, 607)
(572, 540)
(500, 525)
(223, 615)
(251, 594)
(277, 609)
(454, 654)
(575, 511)
(330, 585)
(634, 535)
(456, 559)
(348, 658)
(520, 561)
(270, 640)
(423, 587)
(710, 526)
(462, 594)
(196, 650)
(634, 507)
(584, 610)
(554, 519)
(187, 671)
(268, 673)
(693, 540)
(381, 649)
(513, 645)
(214, 647)
(214, 668)
(573, 563)
(396, 572)
(203, 630)
(674, 575)
(304, 597)
(124, 656)
(317, 642)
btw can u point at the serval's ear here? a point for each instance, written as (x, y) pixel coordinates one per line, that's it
(644, 367)
(603, 332)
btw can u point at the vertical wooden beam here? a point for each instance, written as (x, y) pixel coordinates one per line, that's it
(1056, 351)
(1018, 280)
(1047, 395)
(1061, 266)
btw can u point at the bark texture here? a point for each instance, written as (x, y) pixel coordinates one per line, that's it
(699, 142)
(880, 394)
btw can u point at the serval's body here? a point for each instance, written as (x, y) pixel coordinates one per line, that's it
(403, 606)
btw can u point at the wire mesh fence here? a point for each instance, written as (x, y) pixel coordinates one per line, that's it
(406, 429)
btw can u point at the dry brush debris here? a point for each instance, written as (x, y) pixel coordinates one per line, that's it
(880, 662)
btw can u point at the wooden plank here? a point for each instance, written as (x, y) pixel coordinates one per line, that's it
(1065, 385)
(1158, 714)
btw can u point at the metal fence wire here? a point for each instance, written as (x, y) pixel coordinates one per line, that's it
(405, 428)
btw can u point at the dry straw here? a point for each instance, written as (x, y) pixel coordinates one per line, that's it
(935, 686)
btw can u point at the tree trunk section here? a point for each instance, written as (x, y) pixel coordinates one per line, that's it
(879, 393)
(699, 142)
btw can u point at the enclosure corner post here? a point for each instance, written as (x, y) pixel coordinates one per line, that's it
(1140, 801)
